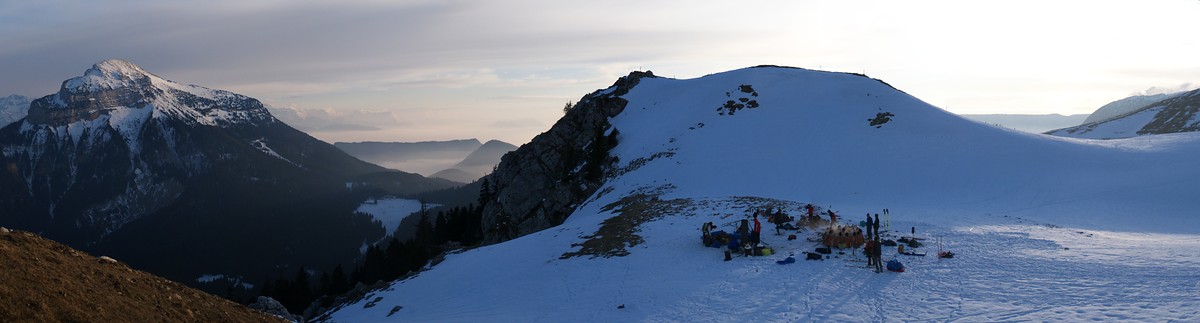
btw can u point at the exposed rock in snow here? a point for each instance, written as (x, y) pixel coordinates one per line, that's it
(271, 306)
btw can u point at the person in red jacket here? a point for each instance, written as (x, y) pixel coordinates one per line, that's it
(755, 236)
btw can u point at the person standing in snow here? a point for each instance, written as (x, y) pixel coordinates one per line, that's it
(832, 218)
(869, 222)
(869, 251)
(756, 235)
(876, 227)
(811, 216)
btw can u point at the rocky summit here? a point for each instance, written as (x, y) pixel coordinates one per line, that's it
(181, 179)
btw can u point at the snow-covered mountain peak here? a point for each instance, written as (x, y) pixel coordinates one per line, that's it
(120, 87)
(116, 68)
(109, 74)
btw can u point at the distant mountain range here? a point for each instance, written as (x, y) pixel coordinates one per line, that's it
(183, 180)
(461, 161)
(477, 164)
(1036, 123)
(1141, 115)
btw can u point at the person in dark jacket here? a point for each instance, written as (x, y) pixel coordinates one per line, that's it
(876, 227)
(869, 225)
(869, 251)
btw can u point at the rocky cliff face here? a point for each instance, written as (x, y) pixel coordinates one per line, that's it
(539, 184)
(1178, 114)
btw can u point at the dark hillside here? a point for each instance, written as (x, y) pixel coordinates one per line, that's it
(45, 281)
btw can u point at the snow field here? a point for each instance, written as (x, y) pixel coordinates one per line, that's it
(1013, 269)
(391, 211)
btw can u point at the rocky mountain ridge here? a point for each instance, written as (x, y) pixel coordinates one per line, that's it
(539, 184)
(1175, 113)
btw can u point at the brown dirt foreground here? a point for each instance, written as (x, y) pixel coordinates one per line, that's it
(45, 281)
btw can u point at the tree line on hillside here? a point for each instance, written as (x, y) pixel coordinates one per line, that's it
(380, 262)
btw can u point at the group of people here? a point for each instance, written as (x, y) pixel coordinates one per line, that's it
(873, 248)
(748, 235)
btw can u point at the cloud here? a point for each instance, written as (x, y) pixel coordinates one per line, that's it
(331, 120)
(1168, 89)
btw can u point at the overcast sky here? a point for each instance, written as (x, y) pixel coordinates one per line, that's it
(444, 69)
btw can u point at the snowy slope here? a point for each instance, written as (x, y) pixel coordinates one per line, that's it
(1175, 113)
(1045, 227)
(13, 108)
(1123, 106)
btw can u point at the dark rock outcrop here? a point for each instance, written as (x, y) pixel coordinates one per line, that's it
(271, 306)
(539, 184)
(1178, 114)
